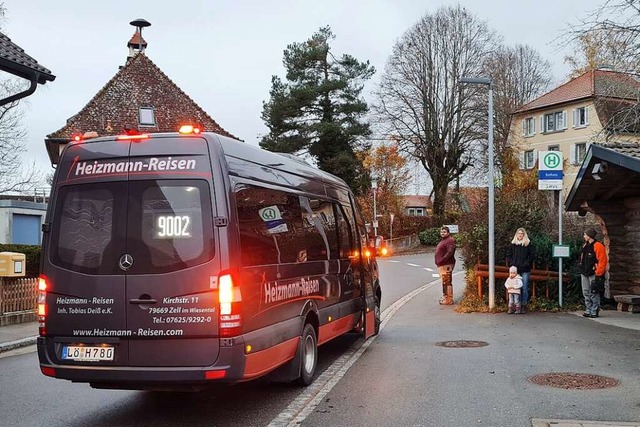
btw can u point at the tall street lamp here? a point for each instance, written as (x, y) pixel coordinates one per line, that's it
(374, 187)
(492, 262)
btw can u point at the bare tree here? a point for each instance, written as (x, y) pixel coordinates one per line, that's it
(14, 176)
(519, 74)
(421, 101)
(608, 36)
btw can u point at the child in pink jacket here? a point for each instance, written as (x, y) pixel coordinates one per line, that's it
(514, 285)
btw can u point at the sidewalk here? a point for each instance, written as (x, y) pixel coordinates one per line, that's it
(25, 334)
(19, 335)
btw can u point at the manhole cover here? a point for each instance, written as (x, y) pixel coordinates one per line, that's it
(461, 344)
(573, 381)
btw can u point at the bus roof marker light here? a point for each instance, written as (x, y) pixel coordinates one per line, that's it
(190, 130)
(138, 137)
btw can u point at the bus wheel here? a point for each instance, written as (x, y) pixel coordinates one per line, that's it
(378, 315)
(309, 358)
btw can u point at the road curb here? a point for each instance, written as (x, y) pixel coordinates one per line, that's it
(12, 345)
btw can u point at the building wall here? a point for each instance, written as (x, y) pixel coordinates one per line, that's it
(565, 139)
(10, 207)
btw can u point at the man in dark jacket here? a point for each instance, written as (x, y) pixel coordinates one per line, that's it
(593, 266)
(445, 258)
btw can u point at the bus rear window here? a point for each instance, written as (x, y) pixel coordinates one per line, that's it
(170, 227)
(85, 238)
(163, 225)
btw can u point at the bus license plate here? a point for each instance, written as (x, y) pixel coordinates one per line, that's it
(87, 354)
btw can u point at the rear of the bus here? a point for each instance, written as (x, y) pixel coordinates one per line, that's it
(131, 287)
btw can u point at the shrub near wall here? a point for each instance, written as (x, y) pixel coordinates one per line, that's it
(32, 256)
(430, 237)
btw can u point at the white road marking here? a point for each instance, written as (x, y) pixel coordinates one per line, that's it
(394, 260)
(413, 265)
(435, 275)
(298, 410)
(428, 269)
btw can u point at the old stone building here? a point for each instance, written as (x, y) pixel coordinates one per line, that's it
(139, 97)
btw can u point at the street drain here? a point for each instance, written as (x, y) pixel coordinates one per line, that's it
(461, 344)
(574, 381)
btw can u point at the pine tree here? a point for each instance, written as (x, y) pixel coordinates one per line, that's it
(319, 110)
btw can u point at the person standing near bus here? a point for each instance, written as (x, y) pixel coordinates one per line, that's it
(520, 254)
(445, 258)
(593, 265)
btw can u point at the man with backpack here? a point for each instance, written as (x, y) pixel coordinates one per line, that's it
(593, 266)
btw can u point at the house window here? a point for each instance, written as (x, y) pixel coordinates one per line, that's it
(415, 211)
(146, 116)
(529, 159)
(419, 212)
(554, 148)
(529, 126)
(554, 122)
(581, 152)
(580, 117)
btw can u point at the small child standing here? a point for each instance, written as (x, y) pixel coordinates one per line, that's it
(513, 285)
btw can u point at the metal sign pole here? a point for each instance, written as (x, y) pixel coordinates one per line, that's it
(560, 242)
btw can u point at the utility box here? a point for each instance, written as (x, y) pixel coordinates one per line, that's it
(12, 264)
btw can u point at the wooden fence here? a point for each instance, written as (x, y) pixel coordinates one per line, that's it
(18, 295)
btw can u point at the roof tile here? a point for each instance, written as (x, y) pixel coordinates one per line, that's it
(21, 63)
(601, 83)
(140, 83)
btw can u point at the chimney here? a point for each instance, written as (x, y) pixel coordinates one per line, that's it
(137, 44)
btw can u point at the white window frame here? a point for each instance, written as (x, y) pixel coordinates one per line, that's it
(146, 116)
(529, 126)
(528, 159)
(581, 152)
(559, 121)
(578, 152)
(581, 117)
(419, 212)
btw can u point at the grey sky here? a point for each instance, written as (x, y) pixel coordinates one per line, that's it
(222, 53)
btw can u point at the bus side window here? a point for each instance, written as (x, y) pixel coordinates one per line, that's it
(343, 228)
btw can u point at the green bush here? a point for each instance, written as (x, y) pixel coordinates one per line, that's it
(32, 257)
(430, 237)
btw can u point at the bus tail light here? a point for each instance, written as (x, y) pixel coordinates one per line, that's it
(230, 300)
(42, 305)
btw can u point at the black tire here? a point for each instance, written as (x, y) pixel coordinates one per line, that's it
(378, 315)
(309, 355)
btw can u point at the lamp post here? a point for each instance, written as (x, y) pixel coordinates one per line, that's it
(374, 187)
(492, 263)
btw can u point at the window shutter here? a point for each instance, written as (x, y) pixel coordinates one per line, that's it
(564, 119)
(533, 122)
(521, 160)
(535, 158)
(572, 154)
(542, 129)
(523, 125)
(575, 117)
(586, 115)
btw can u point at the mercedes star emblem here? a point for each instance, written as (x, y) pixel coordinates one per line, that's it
(126, 262)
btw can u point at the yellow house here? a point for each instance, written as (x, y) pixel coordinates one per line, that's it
(584, 110)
